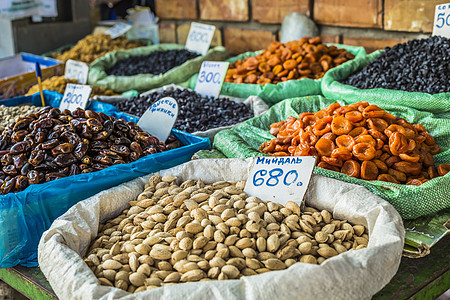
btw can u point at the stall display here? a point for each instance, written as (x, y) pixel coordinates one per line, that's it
(51, 144)
(360, 140)
(25, 215)
(258, 236)
(284, 71)
(416, 66)
(9, 114)
(58, 84)
(94, 46)
(193, 222)
(413, 74)
(17, 73)
(196, 112)
(244, 140)
(154, 63)
(143, 82)
(305, 58)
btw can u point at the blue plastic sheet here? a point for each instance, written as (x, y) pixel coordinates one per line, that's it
(24, 216)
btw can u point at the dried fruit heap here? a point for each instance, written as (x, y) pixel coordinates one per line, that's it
(58, 84)
(49, 145)
(189, 232)
(94, 46)
(305, 58)
(359, 140)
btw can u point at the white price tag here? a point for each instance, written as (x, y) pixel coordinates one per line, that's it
(75, 95)
(76, 70)
(118, 30)
(442, 20)
(280, 179)
(199, 38)
(211, 77)
(159, 118)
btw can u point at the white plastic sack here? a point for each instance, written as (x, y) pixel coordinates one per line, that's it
(357, 274)
(255, 103)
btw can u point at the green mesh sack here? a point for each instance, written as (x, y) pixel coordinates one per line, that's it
(144, 82)
(274, 93)
(333, 89)
(411, 202)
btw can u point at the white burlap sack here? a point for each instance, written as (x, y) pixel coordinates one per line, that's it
(356, 274)
(254, 103)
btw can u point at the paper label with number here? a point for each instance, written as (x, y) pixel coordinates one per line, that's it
(76, 70)
(75, 95)
(280, 179)
(200, 37)
(118, 29)
(211, 77)
(159, 118)
(442, 20)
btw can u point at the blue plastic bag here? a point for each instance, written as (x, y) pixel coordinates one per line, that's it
(24, 216)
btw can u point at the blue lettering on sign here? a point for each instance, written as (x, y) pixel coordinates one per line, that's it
(276, 177)
(278, 160)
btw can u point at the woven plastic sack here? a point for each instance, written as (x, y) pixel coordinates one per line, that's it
(144, 82)
(25, 215)
(356, 274)
(274, 93)
(332, 88)
(411, 202)
(254, 103)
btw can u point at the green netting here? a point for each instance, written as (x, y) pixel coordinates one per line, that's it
(243, 141)
(333, 89)
(145, 82)
(274, 93)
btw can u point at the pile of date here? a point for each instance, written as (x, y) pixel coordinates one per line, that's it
(51, 144)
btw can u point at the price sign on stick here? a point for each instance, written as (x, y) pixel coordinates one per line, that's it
(442, 20)
(75, 95)
(118, 29)
(280, 179)
(76, 70)
(159, 118)
(211, 77)
(199, 38)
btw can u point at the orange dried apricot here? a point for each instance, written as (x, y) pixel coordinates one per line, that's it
(369, 170)
(324, 147)
(345, 141)
(364, 151)
(340, 125)
(351, 168)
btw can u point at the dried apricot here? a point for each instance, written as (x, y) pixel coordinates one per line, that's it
(340, 125)
(345, 141)
(351, 168)
(324, 147)
(443, 169)
(364, 151)
(387, 178)
(341, 153)
(369, 170)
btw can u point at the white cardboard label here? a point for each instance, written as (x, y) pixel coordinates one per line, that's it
(76, 70)
(75, 95)
(199, 38)
(159, 118)
(442, 20)
(118, 29)
(211, 77)
(280, 179)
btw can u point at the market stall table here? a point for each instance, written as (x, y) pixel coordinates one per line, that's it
(424, 278)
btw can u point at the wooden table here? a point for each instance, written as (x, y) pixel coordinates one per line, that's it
(423, 278)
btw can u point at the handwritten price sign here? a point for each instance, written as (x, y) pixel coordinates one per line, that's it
(159, 118)
(200, 37)
(76, 70)
(280, 179)
(442, 20)
(75, 95)
(211, 77)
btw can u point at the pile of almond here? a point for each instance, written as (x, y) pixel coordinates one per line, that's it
(196, 232)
